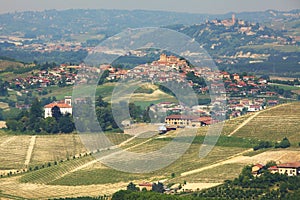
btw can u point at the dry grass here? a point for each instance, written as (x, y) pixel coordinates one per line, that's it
(13, 151)
(215, 175)
(274, 124)
(56, 147)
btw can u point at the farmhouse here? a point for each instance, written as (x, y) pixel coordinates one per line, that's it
(202, 121)
(181, 120)
(188, 120)
(147, 186)
(290, 169)
(65, 106)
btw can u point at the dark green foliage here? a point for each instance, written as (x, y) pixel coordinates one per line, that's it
(55, 111)
(50, 125)
(66, 124)
(158, 187)
(200, 81)
(128, 195)
(263, 145)
(285, 143)
(223, 140)
(35, 115)
(3, 88)
(135, 112)
(33, 121)
(100, 102)
(173, 175)
(103, 77)
(144, 90)
(270, 164)
(132, 187)
(266, 186)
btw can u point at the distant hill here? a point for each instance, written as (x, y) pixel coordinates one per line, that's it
(9, 63)
(63, 23)
(272, 40)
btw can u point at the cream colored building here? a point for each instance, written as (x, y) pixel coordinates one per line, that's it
(290, 169)
(186, 120)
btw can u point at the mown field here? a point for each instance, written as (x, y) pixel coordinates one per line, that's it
(13, 151)
(50, 148)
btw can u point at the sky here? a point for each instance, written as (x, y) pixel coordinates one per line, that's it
(191, 6)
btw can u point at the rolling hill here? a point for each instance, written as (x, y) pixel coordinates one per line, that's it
(87, 177)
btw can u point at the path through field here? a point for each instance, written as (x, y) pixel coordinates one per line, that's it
(30, 150)
(227, 160)
(7, 141)
(104, 157)
(252, 117)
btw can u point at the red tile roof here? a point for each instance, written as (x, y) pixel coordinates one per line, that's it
(58, 104)
(187, 117)
(289, 165)
(145, 184)
(273, 168)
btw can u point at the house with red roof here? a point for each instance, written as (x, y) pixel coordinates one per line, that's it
(65, 106)
(256, 169)
(290, 169)
(180, 120)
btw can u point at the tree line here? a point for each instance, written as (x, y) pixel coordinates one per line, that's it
(33, 121)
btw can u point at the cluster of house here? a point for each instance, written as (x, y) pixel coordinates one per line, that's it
(289, 169)
(165, 69)
(45, 47)
(45, 78)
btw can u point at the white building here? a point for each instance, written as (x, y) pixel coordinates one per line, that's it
(65, 107)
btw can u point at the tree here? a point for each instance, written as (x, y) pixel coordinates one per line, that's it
(132, 187)
(159, 187)
(103, 77)
(35, 115)
(285, 143)
(120, 195)
(135, 111)
(66, 124)
(50, 125)
(173, 175)
(283, 187)
(100, 102)
(56, 113)
(270, 164)
(12, 124)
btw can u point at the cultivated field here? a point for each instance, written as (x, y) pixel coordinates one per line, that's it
(13, 151)
(85, 177)
(55, 148)
(274, 124)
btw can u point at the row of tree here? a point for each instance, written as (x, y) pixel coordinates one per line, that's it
(284, 143)
(104, 115)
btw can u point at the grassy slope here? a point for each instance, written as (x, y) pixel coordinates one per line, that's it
(225, 148)
(275, 124)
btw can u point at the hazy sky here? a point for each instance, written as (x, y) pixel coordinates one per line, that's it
(195, 6)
